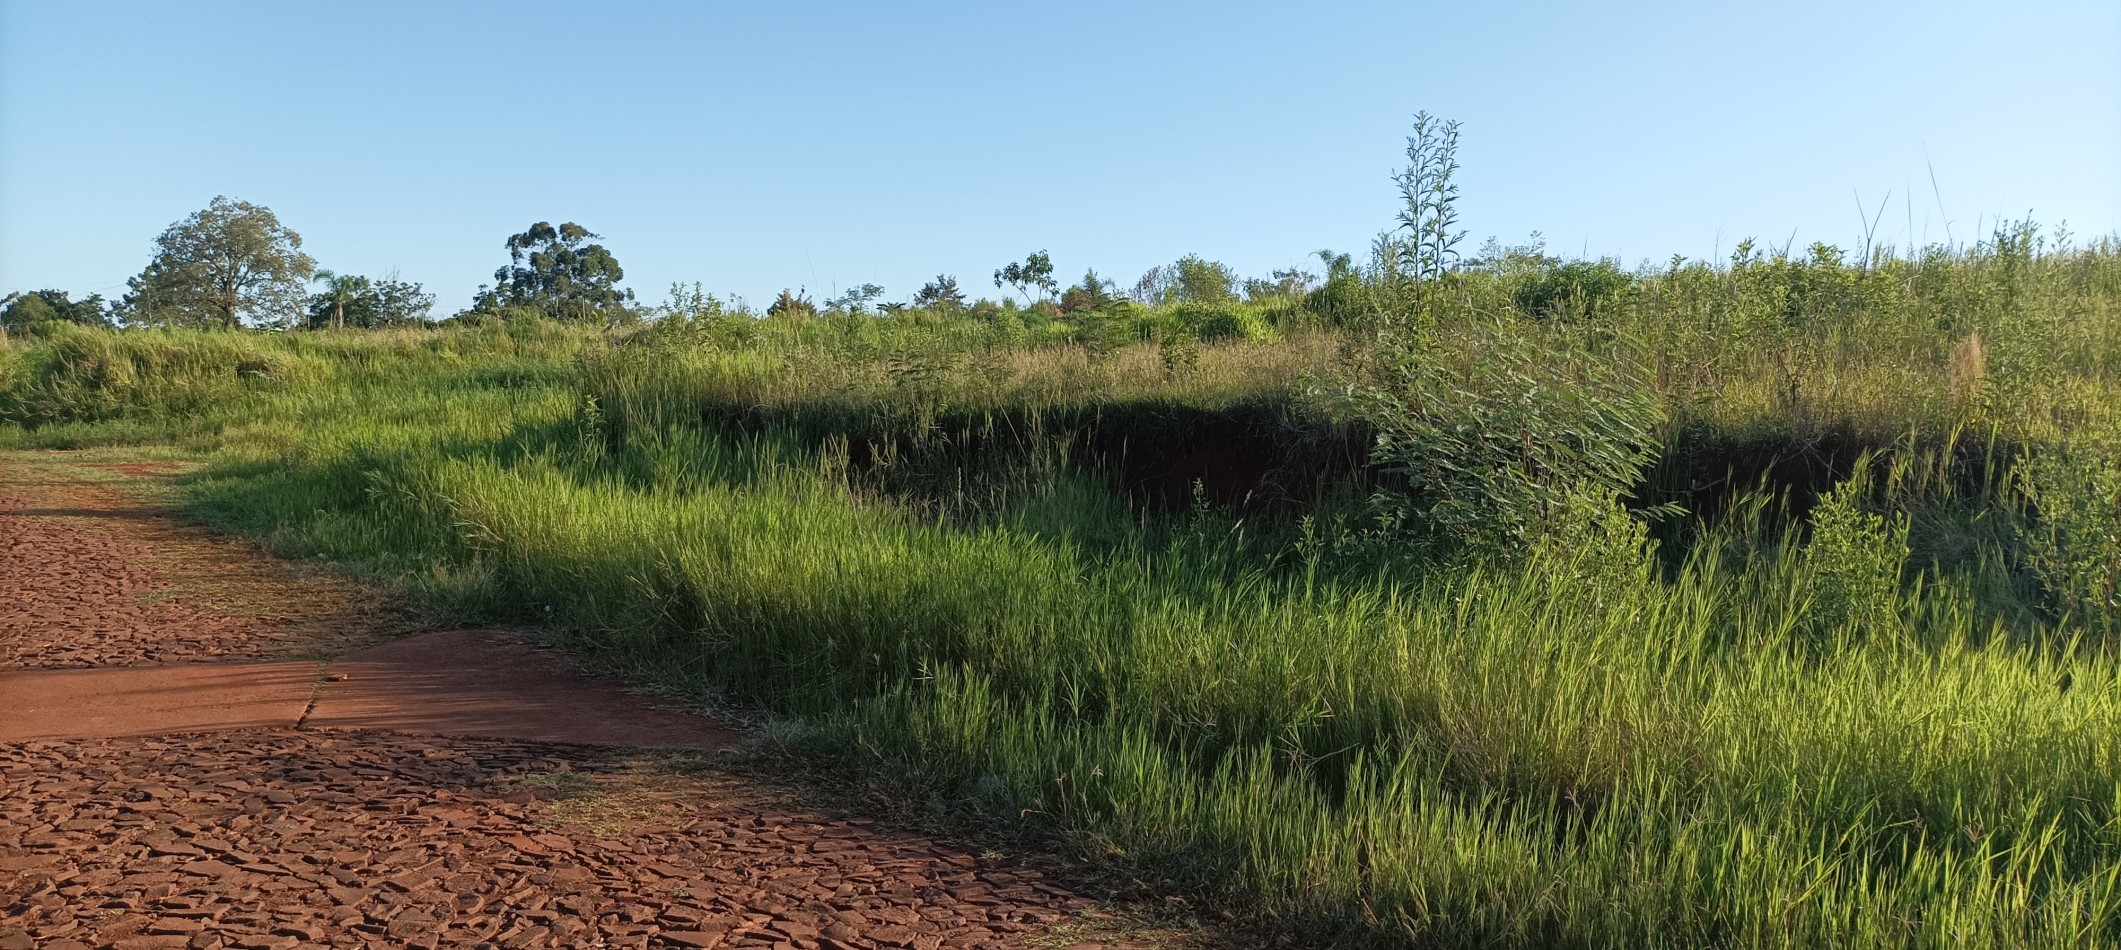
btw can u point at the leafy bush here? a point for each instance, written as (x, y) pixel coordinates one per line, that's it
(1500, 428)
(1855, 559)
(1198, 280)
(1339, 301)
(1215, 322)
(1573, 290)
(2074, 534)
(1283, 313)
(1595, 545)
(792, 305)
(14, 371)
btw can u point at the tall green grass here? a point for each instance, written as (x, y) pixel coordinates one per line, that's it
(1467, 759)
(1891, 726)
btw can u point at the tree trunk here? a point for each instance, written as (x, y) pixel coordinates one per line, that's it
(230, 296)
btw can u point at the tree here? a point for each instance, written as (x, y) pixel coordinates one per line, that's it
(1191, 278)
(1199, 280)
(855, 301)
(224, 266)
(25, 312)
(1287, 282)
(558, 271)
(1035, 271)
(338, 290)
(1154, 287)
(940, 294)
(397, 302)
(350, 300)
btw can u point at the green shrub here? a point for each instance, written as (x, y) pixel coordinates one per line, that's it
(1855, 559)
(1283, 313)
(791, 304)
(1574, 290)
(1340, 301)
(1498, 428)
(1212, 322)
(2073, 533)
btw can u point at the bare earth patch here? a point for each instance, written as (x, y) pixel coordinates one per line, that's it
(94, 577)
(284, 838)
(300, 824)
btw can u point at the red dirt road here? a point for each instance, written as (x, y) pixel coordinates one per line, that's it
(283, 838)
(449, 789)
(153, 700)
(454, 683)
(90, 577)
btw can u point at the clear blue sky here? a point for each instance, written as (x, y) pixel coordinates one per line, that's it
(829, 144)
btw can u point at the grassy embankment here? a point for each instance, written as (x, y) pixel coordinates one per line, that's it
(1102, 589)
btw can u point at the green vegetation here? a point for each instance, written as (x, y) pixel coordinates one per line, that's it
(1344, 620)
(556, 271)
(29, 312)
(1508, 601)
(226, 265)
(351, 300)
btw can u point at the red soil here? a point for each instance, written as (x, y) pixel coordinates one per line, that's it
(140, 469)
(411, 795)
(89, 577)
(283, 839)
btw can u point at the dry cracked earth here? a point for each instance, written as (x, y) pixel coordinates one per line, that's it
(288, 835)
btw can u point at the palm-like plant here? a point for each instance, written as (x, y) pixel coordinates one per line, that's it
(793, 304)
(341, 288)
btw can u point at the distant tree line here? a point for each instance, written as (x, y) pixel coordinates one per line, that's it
(234, 264)
(27, 312)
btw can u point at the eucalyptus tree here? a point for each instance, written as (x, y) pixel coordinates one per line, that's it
(557, 270)
(229, 264)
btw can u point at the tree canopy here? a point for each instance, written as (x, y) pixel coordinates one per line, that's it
(230, 264)
(557, 270)
(1191, 279)
(350, 300)
(1035, 272)
(940, 293)
(855, 300)
(25, 312)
